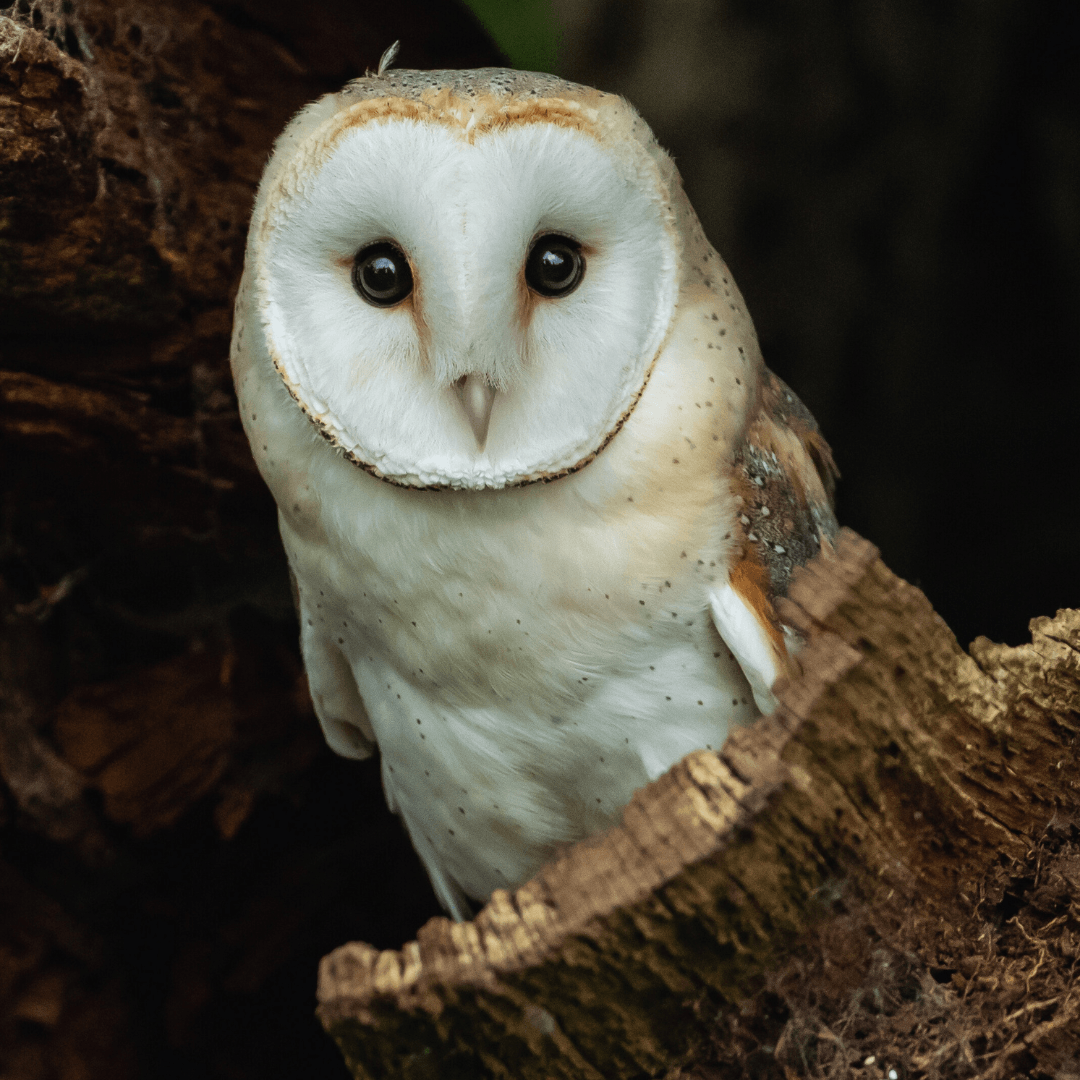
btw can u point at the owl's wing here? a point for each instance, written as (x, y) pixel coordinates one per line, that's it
(783, 478)
(337, 701)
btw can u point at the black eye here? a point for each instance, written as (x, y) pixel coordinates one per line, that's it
(381, 274)
(555, 265)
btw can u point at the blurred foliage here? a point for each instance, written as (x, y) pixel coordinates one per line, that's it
(525, 30)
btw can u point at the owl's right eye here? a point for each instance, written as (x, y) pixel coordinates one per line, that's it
(381, 274)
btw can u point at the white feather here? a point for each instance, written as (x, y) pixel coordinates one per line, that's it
(747, 639)
(386, 61)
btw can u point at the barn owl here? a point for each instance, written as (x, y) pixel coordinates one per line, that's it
(537, 489)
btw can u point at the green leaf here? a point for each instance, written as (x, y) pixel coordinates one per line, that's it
(525, 30)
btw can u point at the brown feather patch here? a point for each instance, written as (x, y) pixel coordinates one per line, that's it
(783, 479)
(750, 579)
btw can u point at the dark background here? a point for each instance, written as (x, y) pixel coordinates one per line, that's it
(894, 185)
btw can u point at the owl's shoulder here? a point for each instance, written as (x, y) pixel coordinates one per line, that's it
(784, 481)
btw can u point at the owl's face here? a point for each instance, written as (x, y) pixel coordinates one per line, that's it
(464, 278)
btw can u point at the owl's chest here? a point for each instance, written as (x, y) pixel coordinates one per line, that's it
(486, 599)
(523, 674)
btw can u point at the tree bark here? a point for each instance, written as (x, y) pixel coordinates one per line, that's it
(176, 838)
(895, 774)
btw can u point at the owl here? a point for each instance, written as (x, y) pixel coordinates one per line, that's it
(537, 489)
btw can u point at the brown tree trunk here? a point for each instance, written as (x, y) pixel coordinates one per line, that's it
(908, 805)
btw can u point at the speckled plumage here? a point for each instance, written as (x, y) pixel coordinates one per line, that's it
(532, 626)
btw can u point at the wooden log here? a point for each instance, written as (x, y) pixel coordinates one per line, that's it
(896, 770)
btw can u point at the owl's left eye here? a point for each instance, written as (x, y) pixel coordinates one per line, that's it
(381, 274)
(554, 266)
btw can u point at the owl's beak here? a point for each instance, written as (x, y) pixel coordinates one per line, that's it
(477, 396)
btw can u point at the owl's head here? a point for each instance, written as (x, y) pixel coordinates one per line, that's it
(464, 278)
